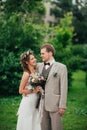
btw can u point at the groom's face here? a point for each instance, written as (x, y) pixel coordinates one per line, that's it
(45, 55)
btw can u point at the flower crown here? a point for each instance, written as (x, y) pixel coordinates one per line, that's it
(27, 53)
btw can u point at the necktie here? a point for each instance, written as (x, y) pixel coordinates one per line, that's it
(46, 63)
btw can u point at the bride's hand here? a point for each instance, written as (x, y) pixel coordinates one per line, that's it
(37, 89)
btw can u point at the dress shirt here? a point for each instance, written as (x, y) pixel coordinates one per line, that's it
(51, 62)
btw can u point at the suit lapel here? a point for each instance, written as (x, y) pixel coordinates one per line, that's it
(52, 70)
(41, 67)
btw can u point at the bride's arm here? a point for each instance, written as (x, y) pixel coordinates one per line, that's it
(24, 81)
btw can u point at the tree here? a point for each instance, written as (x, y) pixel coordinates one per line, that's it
(62, 41)
(79, 10)
(61, 7)
(17, 36)
(32, 10)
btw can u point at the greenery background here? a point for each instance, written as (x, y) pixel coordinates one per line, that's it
(22, 28)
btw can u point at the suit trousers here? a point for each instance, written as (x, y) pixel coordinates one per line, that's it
(51, 121)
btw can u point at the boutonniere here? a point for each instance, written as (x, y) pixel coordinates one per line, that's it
(55, 74)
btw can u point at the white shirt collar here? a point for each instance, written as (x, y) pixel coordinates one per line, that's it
(51, 61)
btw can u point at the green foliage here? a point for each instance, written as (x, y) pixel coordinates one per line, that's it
(62, 41)
(28, 8)
(16, 37)
(79, 10)
(19, 32)
(67, 53)
(81, 53)
(64, 31)
(9, 71)
(21, 5)
(80, 21)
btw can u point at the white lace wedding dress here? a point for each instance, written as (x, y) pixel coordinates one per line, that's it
(28, 115)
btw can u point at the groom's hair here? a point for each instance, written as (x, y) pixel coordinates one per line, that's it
(49, 48)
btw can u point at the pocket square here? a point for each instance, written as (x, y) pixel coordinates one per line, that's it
(55, 75)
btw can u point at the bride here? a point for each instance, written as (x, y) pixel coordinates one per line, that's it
(28, 115)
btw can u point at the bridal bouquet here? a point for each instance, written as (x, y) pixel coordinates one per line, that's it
(38, 80)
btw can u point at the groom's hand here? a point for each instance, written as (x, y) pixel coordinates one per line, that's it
(61, 111)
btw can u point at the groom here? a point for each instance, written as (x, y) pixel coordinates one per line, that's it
(55, 89)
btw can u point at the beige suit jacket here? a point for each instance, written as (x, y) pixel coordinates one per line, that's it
(55, 87)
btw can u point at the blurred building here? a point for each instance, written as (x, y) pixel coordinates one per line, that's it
(49, 18)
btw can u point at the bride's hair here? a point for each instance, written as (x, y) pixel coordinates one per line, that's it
(24, 58)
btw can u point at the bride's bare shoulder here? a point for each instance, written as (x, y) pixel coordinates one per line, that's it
(26, 74)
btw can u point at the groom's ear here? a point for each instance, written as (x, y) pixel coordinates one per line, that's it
(50, 53)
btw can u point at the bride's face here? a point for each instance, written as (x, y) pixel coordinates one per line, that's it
(32, 60)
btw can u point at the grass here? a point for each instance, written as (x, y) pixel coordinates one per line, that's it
(8, 110)
(75, 117)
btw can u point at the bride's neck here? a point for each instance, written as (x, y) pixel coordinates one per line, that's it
(32, 69)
